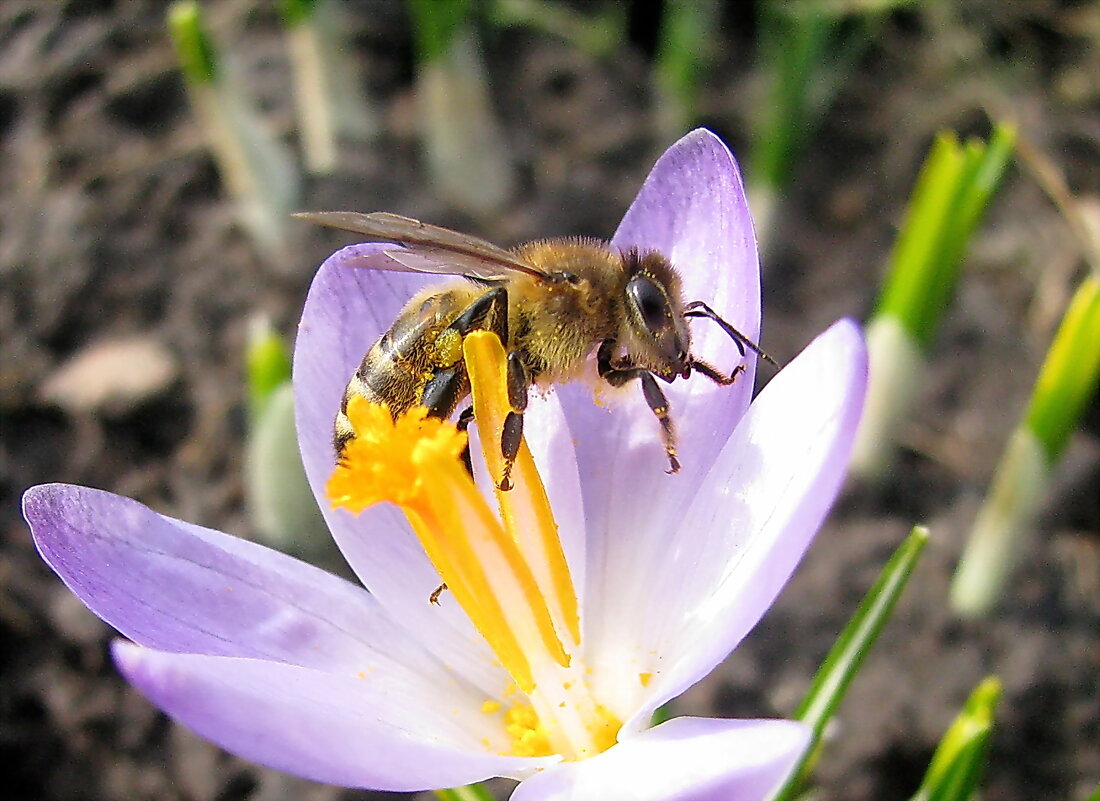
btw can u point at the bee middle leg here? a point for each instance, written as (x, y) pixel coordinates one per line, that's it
(512, 434)
(618, 375)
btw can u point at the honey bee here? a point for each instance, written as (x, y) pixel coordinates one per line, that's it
(551, 302)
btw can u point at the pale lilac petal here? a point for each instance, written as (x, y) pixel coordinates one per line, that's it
(685, 759)
(347, 309)
(345, 729)
(692, 208)
(754, 516)
(179, 587)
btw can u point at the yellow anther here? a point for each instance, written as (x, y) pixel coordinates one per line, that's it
(383, 461)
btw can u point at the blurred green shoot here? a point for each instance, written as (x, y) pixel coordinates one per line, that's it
(846, 657)
(193, 46)
(685, 50)
(267, 365)
(327, 81)
(280, 502)
(957, 766)
(950, 196)
(804, 56)
(255, 168)
(1067, 382)
(471, 792)
(467, 160)
(947, 204)
(597, 31)
(1094, 795)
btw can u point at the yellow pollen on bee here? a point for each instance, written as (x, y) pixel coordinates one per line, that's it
(448, 347)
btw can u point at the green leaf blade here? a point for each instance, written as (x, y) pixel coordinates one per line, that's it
(832, 679)
(959, 762)
(470, 792)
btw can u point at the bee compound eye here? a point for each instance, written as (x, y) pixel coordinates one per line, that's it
(650, 301)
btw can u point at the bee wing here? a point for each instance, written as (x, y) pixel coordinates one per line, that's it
(429, 248)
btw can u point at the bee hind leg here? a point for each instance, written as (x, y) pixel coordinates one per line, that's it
(441, 394)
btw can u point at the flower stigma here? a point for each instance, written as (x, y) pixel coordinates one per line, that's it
(508, 572)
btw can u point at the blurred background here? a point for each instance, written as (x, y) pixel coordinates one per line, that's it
(131, 277)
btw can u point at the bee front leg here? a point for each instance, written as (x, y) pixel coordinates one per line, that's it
(617, 374)
(658, 403)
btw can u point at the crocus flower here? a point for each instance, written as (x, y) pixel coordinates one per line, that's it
(291, 667)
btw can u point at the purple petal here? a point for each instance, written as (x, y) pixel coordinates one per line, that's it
(685, 759)
(346, 311)
(180, 587)
(708, 580)
(692, 207)
(350, 730)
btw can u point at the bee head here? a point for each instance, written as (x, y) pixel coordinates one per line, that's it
(659, 337)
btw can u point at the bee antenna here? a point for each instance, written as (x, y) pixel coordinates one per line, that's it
(699, 309)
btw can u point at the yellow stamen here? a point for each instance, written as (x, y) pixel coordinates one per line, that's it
(378, 465)
(525, 509)
(509, 575)
(414, 463)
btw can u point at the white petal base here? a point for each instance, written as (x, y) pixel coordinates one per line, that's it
(685, 759)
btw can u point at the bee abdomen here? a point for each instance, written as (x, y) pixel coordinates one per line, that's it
(394, 372)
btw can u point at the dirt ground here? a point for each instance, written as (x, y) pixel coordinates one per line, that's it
(113, 226)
